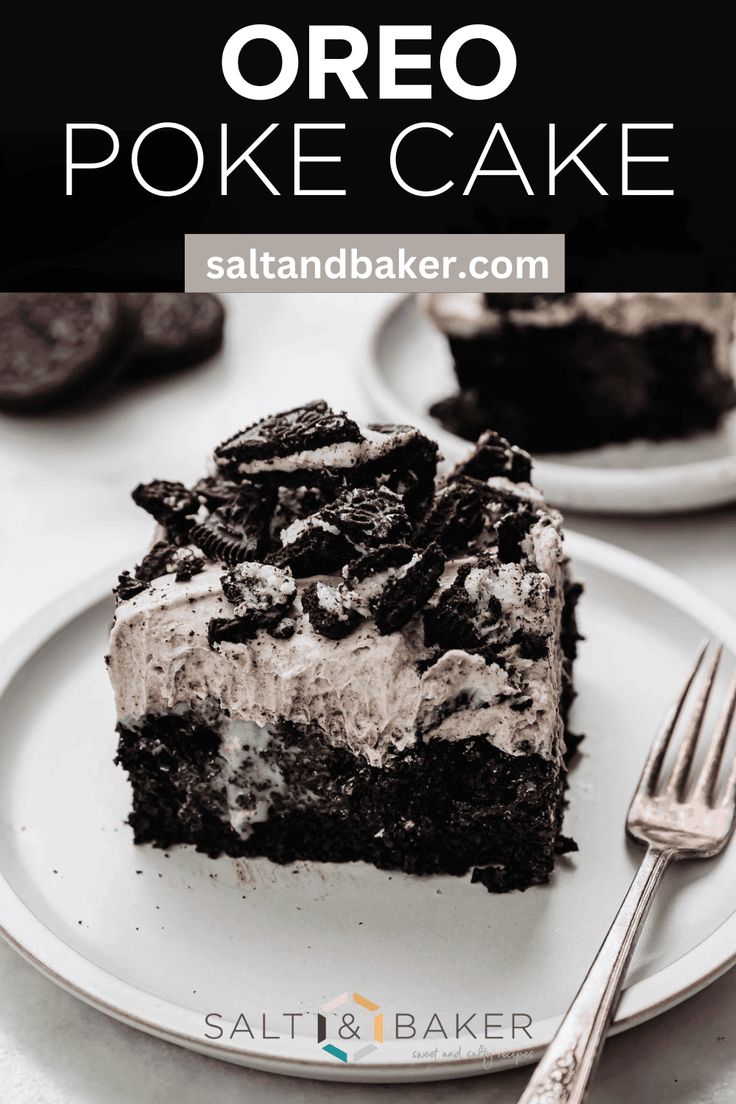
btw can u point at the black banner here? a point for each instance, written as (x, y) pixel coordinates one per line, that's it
(643, 95)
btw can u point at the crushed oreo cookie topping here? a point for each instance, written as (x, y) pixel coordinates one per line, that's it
(362, 517)
(214, 491)
(375, 563)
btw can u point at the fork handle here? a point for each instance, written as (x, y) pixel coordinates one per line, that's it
(566, 1069)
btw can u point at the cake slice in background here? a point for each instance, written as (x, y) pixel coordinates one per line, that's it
(558, 373)
(332, 654)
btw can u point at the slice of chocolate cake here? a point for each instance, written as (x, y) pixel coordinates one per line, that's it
(330, 653)
(557, 373)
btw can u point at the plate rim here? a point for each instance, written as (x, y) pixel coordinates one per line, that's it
(612, 491)
(129, 1004)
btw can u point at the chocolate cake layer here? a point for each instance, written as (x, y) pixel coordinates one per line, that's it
(438, 808)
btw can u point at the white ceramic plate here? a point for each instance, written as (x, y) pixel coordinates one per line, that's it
(410, 368)
(159, 941)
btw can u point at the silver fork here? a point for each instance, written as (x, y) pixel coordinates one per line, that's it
(671, 823)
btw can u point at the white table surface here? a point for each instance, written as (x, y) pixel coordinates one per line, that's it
(65, 483)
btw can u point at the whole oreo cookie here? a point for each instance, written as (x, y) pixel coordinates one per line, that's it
(58, 346)
(175, 329)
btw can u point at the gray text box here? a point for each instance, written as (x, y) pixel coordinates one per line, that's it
(374, 262)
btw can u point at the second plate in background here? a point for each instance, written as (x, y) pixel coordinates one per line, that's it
(409, 367)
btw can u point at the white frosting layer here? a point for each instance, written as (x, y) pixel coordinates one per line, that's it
(365, 692)
(627, 312)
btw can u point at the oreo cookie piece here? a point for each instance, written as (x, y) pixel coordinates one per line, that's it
(376, 562)
(171, 504)
(511, 531)
(224, 630)
(168, 559)
(175, 329)
(455, 518)
(406, 463)
(408, 590)
(237, 531)
(367, 577)
(530, 646)
(312, 549)
(59, 346)
(296, 503)
(494, 456)
(187, 562)
(464, 614)
(259, 593)
(329, 610)
(215, 492)
(358, 520)
(369, 517)
(128, 587)
(260, 446)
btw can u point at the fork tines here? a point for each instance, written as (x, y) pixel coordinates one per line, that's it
(699, 689)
